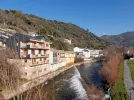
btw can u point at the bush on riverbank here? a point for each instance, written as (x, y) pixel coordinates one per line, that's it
(131, 66)
(110, 66)
(78, 59)
(118, 91)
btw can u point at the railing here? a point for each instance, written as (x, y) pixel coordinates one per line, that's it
(40, 62)
(44, 55)
(33, 46)
(28, 56)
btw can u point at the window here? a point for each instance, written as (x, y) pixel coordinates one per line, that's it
(45, 69)
(33, 52)
(39, 51)
(25, 60)
(34, 60)
(25, 73)
(34, 72)
(40, 59)
(40, 71)
(46, 44)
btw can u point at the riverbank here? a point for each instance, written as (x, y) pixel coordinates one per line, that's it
(118, 91)
(93, 81)
(35, 82)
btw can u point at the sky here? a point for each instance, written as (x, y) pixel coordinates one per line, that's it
(102, 17)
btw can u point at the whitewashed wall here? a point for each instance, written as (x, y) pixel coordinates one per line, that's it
(54, 67)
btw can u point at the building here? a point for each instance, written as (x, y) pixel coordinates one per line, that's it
(2, 41)
(88, 53)
(57, 59)
(82, 53)
(33, 34)
(77, 49)
(96, 53)
(3, 37)
(62, 56)
(33, 52)
(70, 57)
(67, 41)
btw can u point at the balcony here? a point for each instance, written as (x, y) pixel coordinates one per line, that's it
(29, 56)
(43, 55)
(40, 62)
(34, 46)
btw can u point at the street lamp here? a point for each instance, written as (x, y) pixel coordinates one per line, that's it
(130, 93)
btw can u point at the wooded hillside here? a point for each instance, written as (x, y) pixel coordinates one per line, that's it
(54, 31)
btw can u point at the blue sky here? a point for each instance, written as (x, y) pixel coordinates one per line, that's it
(99, 16)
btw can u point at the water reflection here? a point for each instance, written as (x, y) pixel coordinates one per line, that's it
(70, 85)
(91, 73)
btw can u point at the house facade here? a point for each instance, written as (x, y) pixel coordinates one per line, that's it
(35, 55)
(33, 52)
(57, 59)
(3, 37)
(82, 53)
(2, 44)
(96, 53)
(70, 57)
(67, 41)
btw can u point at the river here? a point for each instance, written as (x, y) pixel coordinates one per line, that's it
(70, 85)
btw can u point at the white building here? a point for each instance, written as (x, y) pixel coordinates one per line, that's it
(87, 52)
(67, 41)
(33, 34)
(95, 53)
(83, 52)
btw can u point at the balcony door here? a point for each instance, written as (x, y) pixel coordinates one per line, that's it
(33, 61)
(33, 52)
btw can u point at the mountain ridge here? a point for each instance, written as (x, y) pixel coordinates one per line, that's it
(124, 39)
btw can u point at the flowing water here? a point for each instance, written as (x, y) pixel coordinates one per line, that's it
(71, 86)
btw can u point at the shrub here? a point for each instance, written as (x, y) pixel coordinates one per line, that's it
(78, 59)
(110, 69)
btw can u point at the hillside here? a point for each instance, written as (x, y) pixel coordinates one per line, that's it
(54, 31)
(125, 39)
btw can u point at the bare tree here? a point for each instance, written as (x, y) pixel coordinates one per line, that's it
(9, 72)
(111, 65)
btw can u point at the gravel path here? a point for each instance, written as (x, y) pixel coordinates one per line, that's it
(128, 80)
